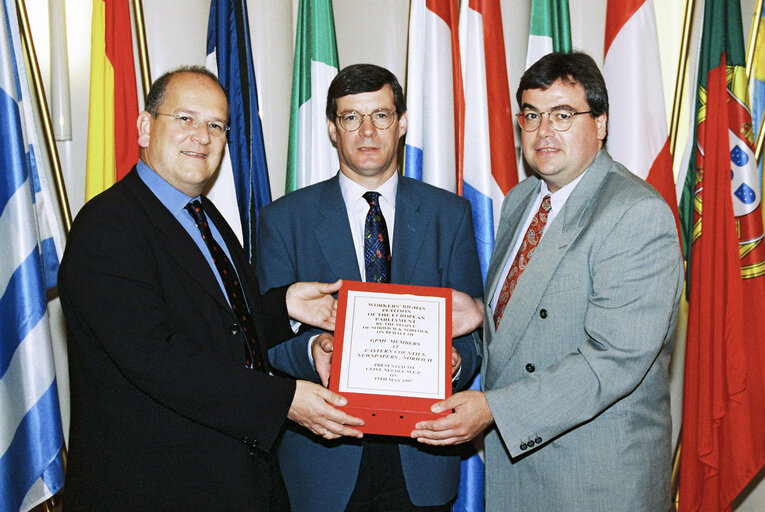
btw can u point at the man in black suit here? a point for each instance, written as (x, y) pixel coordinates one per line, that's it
(168, 411)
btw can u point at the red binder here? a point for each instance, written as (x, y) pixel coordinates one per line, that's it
(392, 396)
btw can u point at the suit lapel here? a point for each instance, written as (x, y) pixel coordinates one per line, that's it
(532, 284)
(507, 235)
(409, 231)
(333, 233)
(173, 238)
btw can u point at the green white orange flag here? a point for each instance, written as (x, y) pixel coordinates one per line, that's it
(311, 157)
(723, 432)
(112, 133)
(549, 29)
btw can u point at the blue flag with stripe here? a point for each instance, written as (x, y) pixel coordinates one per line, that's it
(31, 438)
(229, 53)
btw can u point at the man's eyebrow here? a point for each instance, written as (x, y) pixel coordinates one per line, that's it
(194, 113)
(527, 106)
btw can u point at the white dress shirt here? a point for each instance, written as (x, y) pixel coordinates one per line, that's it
(357, 208)
(557, 201)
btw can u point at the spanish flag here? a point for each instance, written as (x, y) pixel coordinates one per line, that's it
(112, 133)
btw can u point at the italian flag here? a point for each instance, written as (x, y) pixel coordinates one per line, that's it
(311, 157)
(112, 133)
(549, 29)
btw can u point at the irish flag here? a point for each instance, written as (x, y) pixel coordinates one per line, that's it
(311, 157)
(637, 124)
(112, 133)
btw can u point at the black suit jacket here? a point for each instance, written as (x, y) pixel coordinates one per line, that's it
(164, 414)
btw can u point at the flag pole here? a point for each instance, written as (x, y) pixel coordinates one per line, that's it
(680, 77)
(143, 52)
(753, 34)
(47, 125)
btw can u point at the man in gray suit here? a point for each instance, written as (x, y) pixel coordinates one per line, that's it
(578, 324)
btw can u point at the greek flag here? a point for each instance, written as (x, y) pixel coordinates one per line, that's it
(31, 437)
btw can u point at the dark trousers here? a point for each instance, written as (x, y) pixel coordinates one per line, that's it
(380, 486)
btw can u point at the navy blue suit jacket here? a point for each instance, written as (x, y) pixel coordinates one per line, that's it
(305, 236)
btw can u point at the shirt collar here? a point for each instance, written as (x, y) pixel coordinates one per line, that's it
(560, 196)
(353, 192)
(173, 199)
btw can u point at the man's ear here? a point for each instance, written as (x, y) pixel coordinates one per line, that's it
(601, 122)
(332, 129)
(402, 124)
(144, 128)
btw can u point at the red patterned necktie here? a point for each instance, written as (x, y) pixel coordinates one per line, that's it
(252, 357)
(530, 242)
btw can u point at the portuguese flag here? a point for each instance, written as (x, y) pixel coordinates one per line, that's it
(723, 433)
(112, 132)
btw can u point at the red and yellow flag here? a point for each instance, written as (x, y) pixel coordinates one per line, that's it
(723, 432)
(112, 132)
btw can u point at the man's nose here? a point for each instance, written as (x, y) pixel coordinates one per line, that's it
(201, 133)
(367, 128)
(545, 127)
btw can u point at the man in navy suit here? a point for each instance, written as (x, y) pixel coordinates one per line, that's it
(317, 233)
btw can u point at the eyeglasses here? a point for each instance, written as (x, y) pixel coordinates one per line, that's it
(560, 119)
(381, 119)
(188, 123)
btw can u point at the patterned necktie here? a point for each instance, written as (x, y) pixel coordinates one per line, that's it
(252, 357)
(376, 246)
(530, 242)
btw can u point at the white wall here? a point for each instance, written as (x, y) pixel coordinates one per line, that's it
(367, 31)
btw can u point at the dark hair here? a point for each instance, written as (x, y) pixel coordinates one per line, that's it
(158, 89)
(359, 78)
(576, 67)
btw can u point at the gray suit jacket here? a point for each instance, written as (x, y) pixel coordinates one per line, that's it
(305, 236)
(576, 375)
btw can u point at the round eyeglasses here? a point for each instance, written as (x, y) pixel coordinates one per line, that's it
(560, 119)
(382, 119)
(188, 123)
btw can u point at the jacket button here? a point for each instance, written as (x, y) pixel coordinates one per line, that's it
(234, 328)
(543, 313)
(523, 446)
(530, 443)
(538, 440)
(530, 368)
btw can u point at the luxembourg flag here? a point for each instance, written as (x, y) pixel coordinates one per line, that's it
(489, 168)
(637, 127)
(435, 110)
(31, 437)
